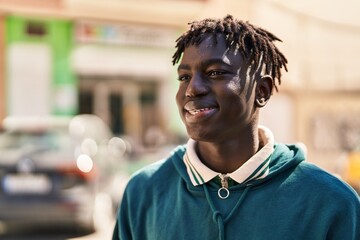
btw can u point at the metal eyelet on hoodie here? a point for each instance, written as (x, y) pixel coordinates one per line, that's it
(224, 192)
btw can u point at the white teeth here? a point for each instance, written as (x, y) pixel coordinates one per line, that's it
(195, 111)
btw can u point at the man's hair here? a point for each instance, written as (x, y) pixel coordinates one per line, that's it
(254, 43)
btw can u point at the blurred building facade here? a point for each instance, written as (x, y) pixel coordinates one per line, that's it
(113, 58)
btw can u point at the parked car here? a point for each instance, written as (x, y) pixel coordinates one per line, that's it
(51, 170)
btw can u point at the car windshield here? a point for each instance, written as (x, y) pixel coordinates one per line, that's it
(54, 140)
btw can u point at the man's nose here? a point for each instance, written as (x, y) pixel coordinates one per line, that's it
(197, 86)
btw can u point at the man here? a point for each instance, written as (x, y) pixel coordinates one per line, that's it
(231, 180)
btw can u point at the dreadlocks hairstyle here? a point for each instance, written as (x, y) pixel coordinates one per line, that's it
(254, 43)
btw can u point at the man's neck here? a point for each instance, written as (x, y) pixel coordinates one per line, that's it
(227, 156)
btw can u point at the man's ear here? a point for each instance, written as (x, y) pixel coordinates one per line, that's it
(263, 92)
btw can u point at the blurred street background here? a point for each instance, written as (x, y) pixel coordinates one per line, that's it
(87, 97)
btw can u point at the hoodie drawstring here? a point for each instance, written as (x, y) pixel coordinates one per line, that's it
(217, 216)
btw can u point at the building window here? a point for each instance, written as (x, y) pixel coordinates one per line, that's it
(36, 29)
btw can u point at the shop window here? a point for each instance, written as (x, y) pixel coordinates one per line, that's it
(86, 102)
(37, 29)
(148, 95)
(116, 110)
(152, 133)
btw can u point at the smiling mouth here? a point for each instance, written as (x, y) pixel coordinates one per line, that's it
(197, 111)
(199, 115)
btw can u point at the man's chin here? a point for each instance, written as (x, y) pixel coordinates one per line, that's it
(201, 136)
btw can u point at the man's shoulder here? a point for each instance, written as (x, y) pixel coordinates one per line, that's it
(324, 182)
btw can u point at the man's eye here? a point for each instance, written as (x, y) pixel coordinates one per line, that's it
(216, 73)
(183, 78)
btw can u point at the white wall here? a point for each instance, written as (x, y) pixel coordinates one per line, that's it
(29, 74)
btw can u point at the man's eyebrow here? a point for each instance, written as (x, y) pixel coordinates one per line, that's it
(214, 61)
(183, 67)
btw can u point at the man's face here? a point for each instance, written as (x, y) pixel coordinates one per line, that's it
(215, 96)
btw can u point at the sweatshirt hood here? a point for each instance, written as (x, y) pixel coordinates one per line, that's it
(284, 157)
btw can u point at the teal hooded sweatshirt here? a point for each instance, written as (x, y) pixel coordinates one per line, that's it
(297, 200)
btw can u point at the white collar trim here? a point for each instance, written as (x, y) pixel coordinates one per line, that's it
(256, 167)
